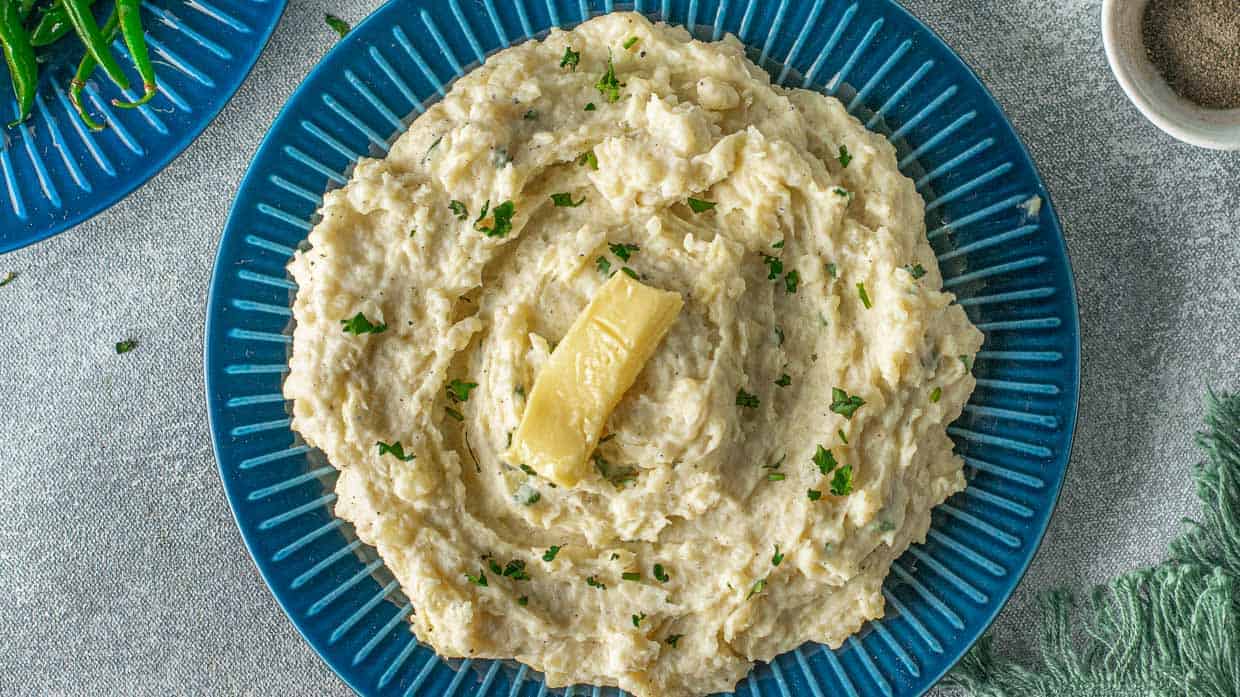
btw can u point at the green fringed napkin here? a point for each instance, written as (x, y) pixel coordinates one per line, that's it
(1167, 631)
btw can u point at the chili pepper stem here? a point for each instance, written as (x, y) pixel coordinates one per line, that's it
(130, 15)
(75, 97)
(86, 67)
(148, 92)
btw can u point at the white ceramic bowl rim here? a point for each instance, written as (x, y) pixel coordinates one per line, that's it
(1218, 129)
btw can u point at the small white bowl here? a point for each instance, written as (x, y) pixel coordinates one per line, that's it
(1218, 129)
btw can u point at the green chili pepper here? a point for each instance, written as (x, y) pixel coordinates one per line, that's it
(19, 54)
(52, 26)
(96, 44)
(85, 68)
(135, 40)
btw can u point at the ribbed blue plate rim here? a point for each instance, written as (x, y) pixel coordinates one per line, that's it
(100, 197)
(218, 296)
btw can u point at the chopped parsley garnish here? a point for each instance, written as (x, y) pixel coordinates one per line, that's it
(779, 335)
(629, 272)
(357, 326)
(758, 587)
(594, 583)
(337, 24)
(619, 477)
(841, 191)
(813, 494)
(530, 115)
(527, 495)
(825, 460)
(672, 639)
(775, 477)
(777, 464)
(479, 580)
(523, 600)
(495, 567)
(458, 390)
(865, 297)
(623, 251)
(790, 281)
(503, 220)
(8, 278)
(916, 271)
(831, 270)
(778, 245)
(844, 157)
(458, 209)
(571, 58)
(637, 619)
(527, 469)
(520, 390)
(515, 570)
(608, 85)
(565, 200)
(589, 159)
(631, 576)
(700, 206)
(590, 106)
(935, 394)
(744, 399)
(660, 574)
(604, 266)
(396, 450)
(509, 440)
(628, 43)
(843, 437)
(784, 380)
(842, 481)
(454, 413)
(778, 557)
(843, 404)
(774, 266)
(885, 525)
(549, 555)
(966, 362)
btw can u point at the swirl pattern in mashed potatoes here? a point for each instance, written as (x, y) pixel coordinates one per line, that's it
(784, 443)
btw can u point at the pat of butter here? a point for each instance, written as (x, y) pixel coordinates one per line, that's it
(591, 368)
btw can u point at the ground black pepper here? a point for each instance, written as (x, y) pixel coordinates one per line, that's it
(1195, 44)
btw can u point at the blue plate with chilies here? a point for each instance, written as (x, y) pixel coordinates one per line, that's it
(55, 172)
(990, 222)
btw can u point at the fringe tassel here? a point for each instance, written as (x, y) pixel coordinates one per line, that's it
(1172, 630)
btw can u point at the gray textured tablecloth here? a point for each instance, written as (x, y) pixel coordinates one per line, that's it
(121, 571)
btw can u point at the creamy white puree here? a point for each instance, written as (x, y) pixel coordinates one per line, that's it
(693, 487)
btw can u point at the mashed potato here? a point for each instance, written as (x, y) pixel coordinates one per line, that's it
(783, 444)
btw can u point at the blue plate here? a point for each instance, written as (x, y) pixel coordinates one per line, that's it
(56, 173)
(990, 221)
